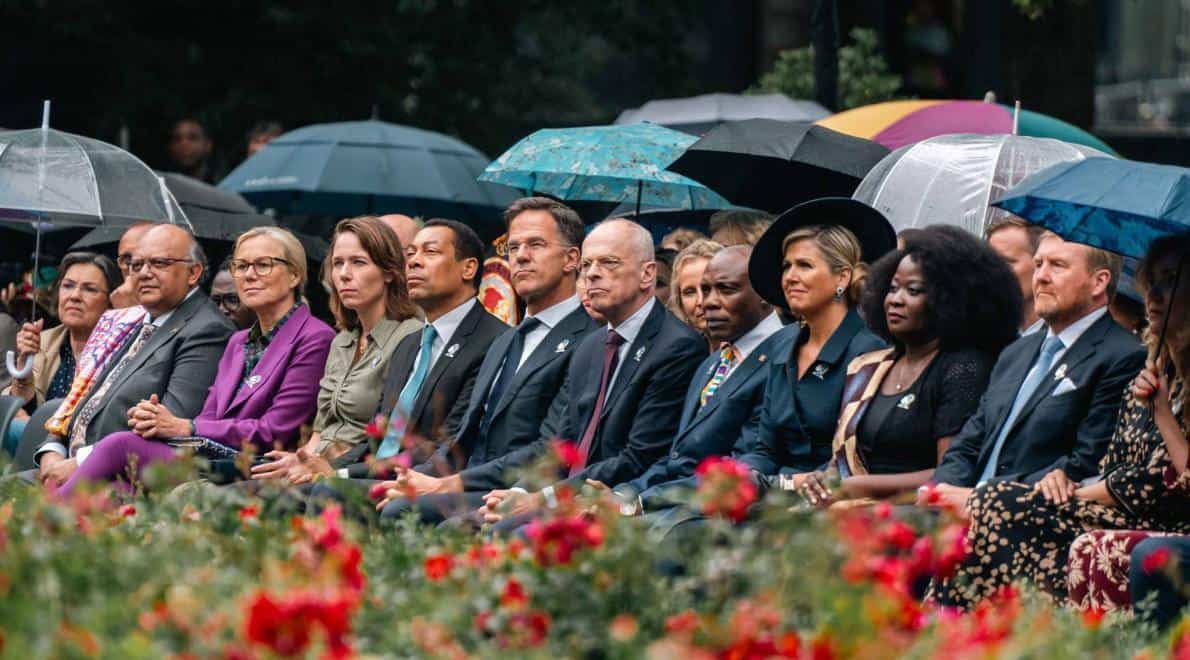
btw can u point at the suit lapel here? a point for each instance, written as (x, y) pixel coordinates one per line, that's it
(637, 353)
(563, 336)
(226, 394)
(451, 347)
(1083, 348)
(488, 372)
(1016, 376)
(161, 337)
(280, 345)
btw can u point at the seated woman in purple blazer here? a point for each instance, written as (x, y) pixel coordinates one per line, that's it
(267, 382)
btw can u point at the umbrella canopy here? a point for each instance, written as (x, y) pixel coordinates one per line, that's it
(698, 114)
(774, 165)
(898, 123)
(1117, 205)
(56, 178)
(196, 196)
(360, 167)
(951, 178)
(604, 164)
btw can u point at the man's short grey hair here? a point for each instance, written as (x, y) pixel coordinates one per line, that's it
(199, 256)
(639, 237)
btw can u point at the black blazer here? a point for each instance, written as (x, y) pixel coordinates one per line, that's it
(517, 416)
(1069, 431)
(178, 364)
(641, 413)
(730, 419)
(443, 399)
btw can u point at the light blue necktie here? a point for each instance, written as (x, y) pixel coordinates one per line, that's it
(392, 444)
(1033, 380)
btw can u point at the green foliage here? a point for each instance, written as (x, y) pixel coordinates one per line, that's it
(864, 77)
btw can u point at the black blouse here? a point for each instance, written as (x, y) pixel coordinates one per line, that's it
(900, 432)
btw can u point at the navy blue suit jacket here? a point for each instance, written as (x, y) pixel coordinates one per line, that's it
(729, 420)
(640, 415)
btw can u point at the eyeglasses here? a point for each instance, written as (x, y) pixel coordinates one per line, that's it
(158, 264)
(228, 300)
(67, 288)
(263, 266)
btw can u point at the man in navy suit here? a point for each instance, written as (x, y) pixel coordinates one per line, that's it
(524, 368)
(723, 401)
(1051, 403)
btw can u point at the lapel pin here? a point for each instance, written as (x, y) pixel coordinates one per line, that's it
(1061, 372)
(762, 359)
(376, 362)
(253, 380)
(906, 402)
(562, 346)
(820, 371)
(450, 352)
(639, 352)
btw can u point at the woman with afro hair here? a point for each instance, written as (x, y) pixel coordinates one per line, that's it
(946, 304)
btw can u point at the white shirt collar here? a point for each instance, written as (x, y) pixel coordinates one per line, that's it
(160, 320)
(1076, 329)
(552, 316)
(1037, 325)
(449, 322)
(767, 327)
(631, 326)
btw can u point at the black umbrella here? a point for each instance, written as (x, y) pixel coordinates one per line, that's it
(774, 165)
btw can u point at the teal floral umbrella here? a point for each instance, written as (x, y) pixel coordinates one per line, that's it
(624, 163)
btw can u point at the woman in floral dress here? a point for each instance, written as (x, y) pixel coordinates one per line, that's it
(1019, 533)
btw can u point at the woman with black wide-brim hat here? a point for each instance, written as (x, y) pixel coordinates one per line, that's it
(813, 262)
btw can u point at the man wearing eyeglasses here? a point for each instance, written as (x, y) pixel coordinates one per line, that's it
(223, 294)
(172, 356)
(125, 295)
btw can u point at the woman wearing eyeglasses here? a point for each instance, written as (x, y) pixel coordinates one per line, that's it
(81, 290)
(267, 382)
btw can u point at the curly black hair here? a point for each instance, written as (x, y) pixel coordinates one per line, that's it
(972, 297)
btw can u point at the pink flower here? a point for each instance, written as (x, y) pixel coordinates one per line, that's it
(725, 487)
(128, 511)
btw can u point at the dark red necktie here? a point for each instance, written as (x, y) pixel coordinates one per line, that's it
(611, 356)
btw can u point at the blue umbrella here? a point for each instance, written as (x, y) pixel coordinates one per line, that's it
(624, 163)
(358, 167)
(1117, 205)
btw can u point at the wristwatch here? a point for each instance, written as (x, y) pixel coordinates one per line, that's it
(631, 507)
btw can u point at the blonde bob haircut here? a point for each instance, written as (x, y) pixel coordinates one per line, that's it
(291, 251)
(840, 249)
(703, 248)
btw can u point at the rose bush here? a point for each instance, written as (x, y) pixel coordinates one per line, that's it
(214, 572)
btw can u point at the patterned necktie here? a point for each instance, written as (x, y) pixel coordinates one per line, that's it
(86, 414)
(1040, 370)
(512, 363)
(611, 357)
(727, 357)
(392, 444)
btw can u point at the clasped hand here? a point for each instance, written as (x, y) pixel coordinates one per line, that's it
(151, 419)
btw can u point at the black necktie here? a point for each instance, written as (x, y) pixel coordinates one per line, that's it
(512, 361)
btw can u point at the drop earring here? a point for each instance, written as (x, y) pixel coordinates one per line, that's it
(839, 293)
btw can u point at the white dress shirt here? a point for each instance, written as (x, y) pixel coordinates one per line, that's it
(1074, 331)
(629, 330)
(446, 325)
(744, 346)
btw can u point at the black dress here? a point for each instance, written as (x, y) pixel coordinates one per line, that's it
(899, 433)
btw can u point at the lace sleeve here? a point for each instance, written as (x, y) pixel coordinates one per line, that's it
(961, 380)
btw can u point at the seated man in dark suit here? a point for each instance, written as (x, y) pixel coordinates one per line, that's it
(1051, 403)
(174, 354)
(723, 401)
(523, 371)
(432, 372)
(622, 397)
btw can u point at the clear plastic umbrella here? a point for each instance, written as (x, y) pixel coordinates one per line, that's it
(51, 178)
(951, 179)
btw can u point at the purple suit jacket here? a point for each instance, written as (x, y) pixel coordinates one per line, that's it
(269, 410)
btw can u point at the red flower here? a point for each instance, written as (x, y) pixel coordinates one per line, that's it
(480, 555)
(555, 541)
(725, 487)
(514, 596)
(438, 566)
(682, 623)
(567, 452)
(375, 428)
(1156, 561)
(377, 491)
(249, 512)
(1093, 616)
(898, 535)
(350, 557)
(127, 511)
(525, 630)
(273, 625)
(331, 534)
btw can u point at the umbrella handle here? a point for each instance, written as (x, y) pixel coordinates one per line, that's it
(10, 362)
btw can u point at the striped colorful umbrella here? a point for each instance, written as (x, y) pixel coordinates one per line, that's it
(898, 123)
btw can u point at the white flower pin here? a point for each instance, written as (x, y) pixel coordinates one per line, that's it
(639, 353)
(1060, 373)
(906, 402)
(376, 362)
(253, 380)
(562, 345)
(454, 349)
(762, 359)
(820, 371)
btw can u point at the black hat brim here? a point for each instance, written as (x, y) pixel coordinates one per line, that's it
(875, 234)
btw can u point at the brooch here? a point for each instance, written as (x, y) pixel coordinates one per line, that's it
(820, 371)
(906, 402)
(450, 352)
(376, 362)
(639, 352)
(1061, 372)
(562, 346)
(253, 380)
(762, 359)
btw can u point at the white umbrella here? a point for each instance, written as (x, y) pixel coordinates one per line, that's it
(699, 114)
(951, 179)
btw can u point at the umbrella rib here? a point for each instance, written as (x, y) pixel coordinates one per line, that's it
(987, 198)
(91, 168)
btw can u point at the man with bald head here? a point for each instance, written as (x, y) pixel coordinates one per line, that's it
(621, 400)
(724, 399)
(173, 354)
(404, 226)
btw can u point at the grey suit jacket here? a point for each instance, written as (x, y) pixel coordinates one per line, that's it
(178, 364)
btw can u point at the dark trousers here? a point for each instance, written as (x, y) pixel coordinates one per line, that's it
(1154, 595)
(433, 509)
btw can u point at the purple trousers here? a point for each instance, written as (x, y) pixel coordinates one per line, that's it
(119, 455)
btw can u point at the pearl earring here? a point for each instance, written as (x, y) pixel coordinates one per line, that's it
(839, 293)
